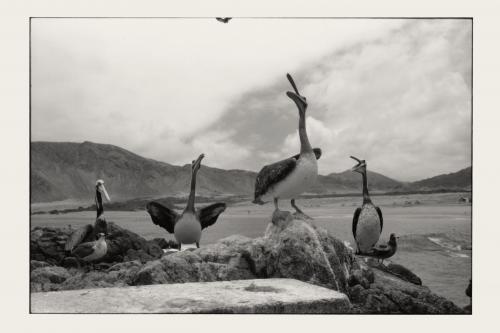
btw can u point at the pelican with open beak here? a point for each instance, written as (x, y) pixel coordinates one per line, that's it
(367, 222)
(288, 178)
(186, 227)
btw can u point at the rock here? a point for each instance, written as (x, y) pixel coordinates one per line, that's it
(290, 248)
(403, 273)
(43, 278)
(70, 262)
(358, 276)
(297, 249)
(34, 264)
(140, 255)
(240, 296)
(390, 294)
(163, 243)
(121, 241)
(47, 244)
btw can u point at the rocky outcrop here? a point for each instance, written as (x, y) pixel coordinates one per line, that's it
(290, 248)
(47, 245)
(391, 294)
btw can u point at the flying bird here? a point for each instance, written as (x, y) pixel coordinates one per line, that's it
(367, 222)
(90, 232)
(384, 251)
(186, 227)
(290, 177)
(223, 19)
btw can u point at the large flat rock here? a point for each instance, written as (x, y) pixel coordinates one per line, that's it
(238, 296)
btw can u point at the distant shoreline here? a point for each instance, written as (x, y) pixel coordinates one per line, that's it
(175, 202)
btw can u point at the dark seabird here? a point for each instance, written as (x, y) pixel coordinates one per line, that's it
(223, 19)
(90, 232)
(384, 251)
(367, 222)
(468, 291)
(291, 177)
(186, 227)
(91, 251)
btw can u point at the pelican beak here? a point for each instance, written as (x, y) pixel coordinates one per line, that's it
(103, 190)
(296, 97)
(299, 100)
(197, 163)
(356, 167)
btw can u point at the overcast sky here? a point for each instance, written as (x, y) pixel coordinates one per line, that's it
(393, 92)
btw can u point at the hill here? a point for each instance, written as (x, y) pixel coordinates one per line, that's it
(67, 170)
(461, 179)
(63, 170)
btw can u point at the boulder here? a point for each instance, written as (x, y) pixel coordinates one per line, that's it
(388, 293)
(290, 248)
(34, 264)
(241, 296)
(47, 244)
(403, 273)
(125, 245)
(44, 278)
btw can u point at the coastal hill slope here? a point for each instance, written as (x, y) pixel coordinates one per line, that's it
(67, 170)
(460, 180)
(63, 170)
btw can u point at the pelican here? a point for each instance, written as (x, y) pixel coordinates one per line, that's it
(384, 251)
(288, 178)
(91, 251)
(186, 227)
(91, 232)
(367, 222)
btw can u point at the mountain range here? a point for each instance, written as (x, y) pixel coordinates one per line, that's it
(67, 170)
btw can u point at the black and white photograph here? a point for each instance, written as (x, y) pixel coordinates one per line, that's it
(250, 165)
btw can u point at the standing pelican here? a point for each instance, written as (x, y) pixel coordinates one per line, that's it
(367, 222)
(289, 178)
(186, 227)
(90, 232)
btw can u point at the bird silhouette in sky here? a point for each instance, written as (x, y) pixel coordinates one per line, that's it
(223, 19)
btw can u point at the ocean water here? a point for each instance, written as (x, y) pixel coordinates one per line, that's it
(434, 230)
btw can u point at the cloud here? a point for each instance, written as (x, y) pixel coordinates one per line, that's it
(401, 101)
(394, 92)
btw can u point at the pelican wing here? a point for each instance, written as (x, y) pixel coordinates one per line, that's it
(77, 237)
(272, 174)
(162, 216)
(208, 215)
(317, 152)
(83, 250)
(379, 212)
(355, 221)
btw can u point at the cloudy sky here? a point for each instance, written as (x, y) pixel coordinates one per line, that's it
(393, 92)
